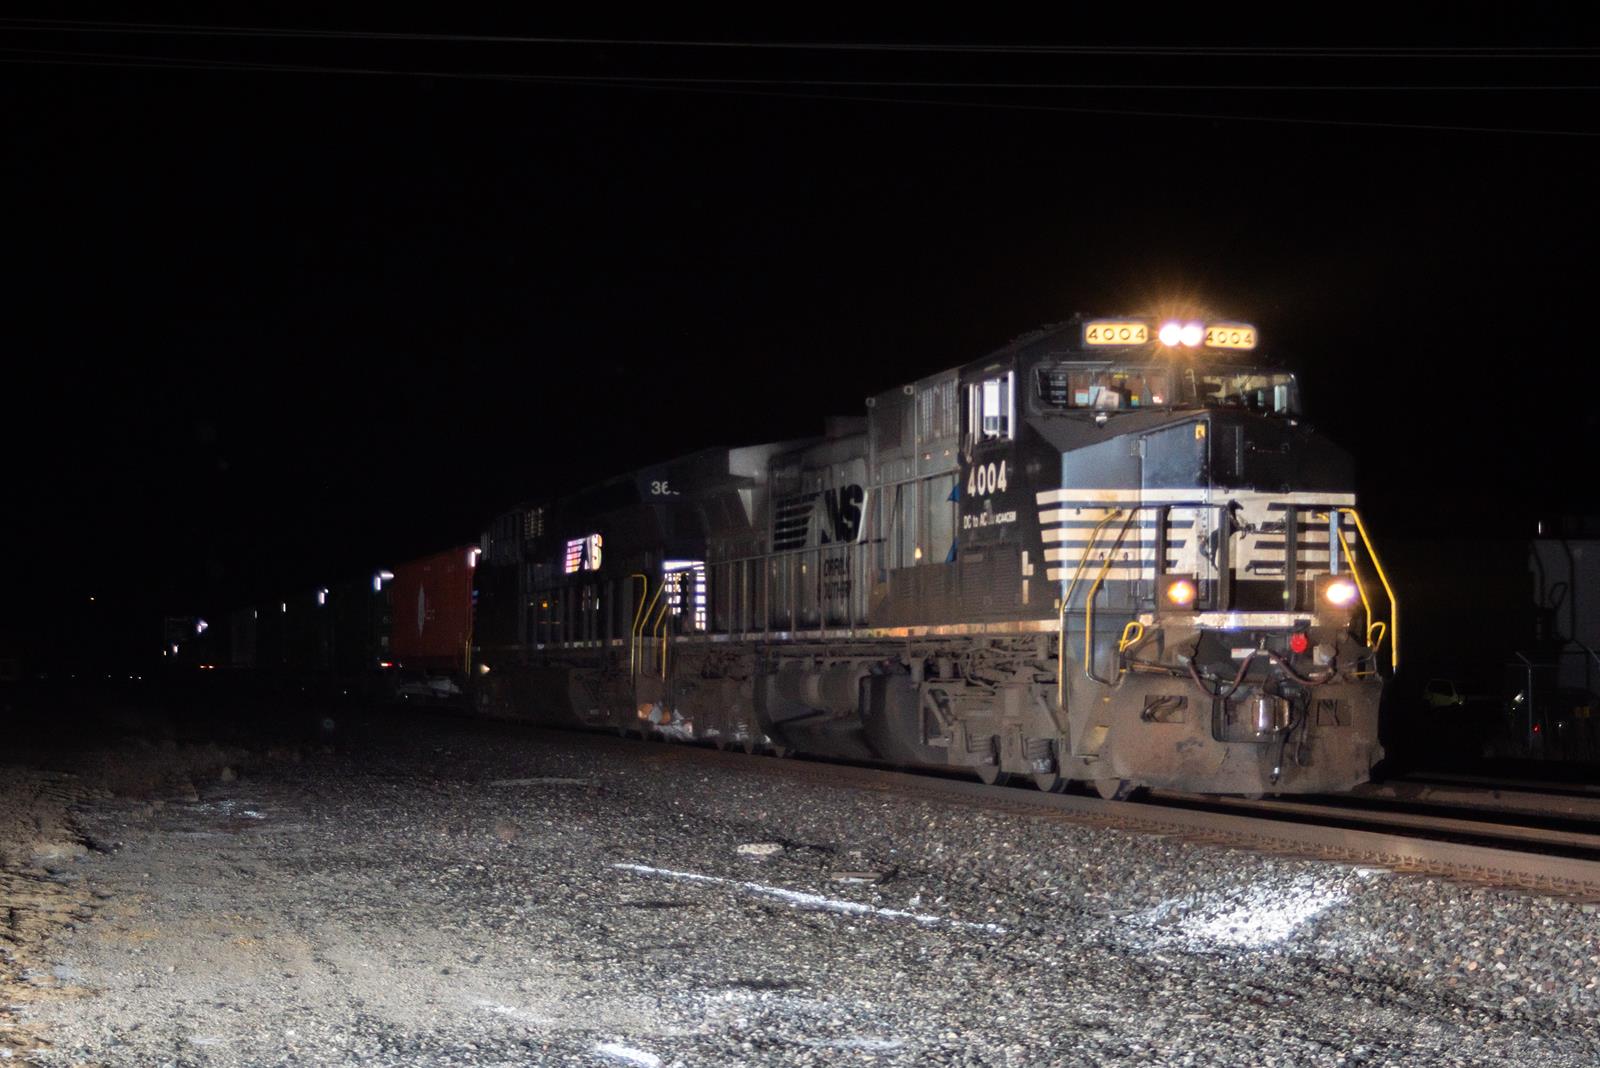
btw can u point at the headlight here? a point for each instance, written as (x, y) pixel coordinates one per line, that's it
(1180, 591)
(1341, 593)
(1189, 335)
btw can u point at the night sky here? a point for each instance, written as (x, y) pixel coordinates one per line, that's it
(278, 310)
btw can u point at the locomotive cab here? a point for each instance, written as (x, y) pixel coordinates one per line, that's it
(1210, 568)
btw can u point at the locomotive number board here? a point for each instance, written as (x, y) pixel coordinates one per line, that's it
(1231, 336)
(1115, 332)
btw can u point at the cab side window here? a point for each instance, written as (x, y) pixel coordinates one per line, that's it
(991, 408)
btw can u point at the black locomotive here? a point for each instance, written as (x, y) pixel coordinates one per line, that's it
(1110, 551)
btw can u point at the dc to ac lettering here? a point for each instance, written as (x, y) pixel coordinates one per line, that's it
(987, 519)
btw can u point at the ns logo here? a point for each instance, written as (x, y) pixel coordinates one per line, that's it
(841, 518)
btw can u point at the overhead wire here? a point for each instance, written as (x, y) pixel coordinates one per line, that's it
(771, 88)
(843, 83)
(1187, 50)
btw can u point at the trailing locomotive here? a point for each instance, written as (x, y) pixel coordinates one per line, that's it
(1109, 552)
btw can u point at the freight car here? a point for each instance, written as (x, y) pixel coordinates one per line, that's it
(394, 634)
(429, 641)
(1111, 551)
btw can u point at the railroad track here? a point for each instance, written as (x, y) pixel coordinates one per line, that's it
(1493, 850)
(1462, 792)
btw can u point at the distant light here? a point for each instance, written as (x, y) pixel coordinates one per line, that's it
(386, 663)
(91, 598)
(322, 596)
(284, 607)
(255, 613)
(483, 669)
(200, 626)
(472, 556)
(174, 650)
(377, 583)
(1192, 334)
(387, 576)
(1170, 333)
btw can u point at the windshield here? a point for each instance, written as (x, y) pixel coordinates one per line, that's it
(1257, 391)
(1105, 390)
(1121, 389)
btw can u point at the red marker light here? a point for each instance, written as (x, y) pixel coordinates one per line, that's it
(1298, 642)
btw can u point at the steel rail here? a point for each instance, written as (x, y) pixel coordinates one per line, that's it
(1514, 862)
(1499, 782)
(1508, 800)
(1329, 810)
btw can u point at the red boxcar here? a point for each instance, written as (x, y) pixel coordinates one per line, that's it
(432, 611)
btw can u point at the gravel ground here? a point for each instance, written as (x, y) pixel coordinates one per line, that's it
(449, 892)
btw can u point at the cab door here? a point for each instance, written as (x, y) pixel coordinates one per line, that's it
(1175, 488)
(991, 492)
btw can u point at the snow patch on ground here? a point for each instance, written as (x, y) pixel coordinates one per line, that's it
(628, 1055)
(803, 900)
(1252, 917)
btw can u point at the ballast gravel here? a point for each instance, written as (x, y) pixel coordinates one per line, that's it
(455, 892)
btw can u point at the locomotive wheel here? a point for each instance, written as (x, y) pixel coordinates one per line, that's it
(1115, 789)
(991, 775)
(1051, 782)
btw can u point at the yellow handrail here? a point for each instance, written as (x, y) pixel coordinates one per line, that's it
(1374, 625)
(638, 610)
(1066, 598)
(660, 627)
(1394, 602)
(1132, 634)
(1391, 629)
(1088, 602)
(1361, 587)
(1381, 627)
(638, 625)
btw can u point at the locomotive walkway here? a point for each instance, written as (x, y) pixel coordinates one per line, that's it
(452, 892)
